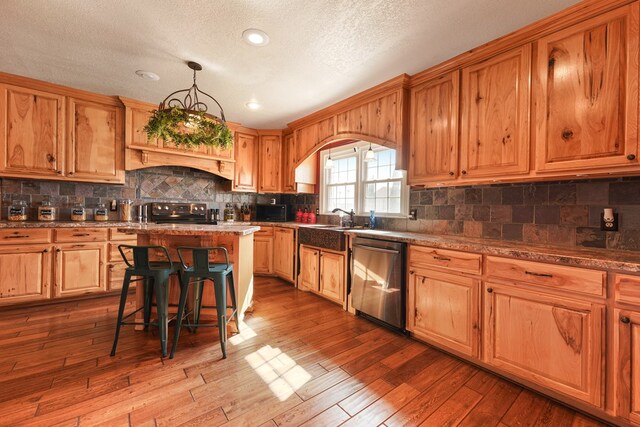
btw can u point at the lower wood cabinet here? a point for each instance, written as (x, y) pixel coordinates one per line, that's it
(626, 362)
(283, 253)
(79, 268)
(445, 309)
(552, 341)
(322, 272)
(263, 254)
(25, 273)
(332, 276)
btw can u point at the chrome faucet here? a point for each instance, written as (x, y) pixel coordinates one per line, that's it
(351, 216)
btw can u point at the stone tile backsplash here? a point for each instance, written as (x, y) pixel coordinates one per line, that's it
(556, 213)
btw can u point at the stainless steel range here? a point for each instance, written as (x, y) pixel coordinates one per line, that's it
(180, 213)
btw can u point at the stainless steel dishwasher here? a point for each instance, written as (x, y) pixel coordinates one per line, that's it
(378, 280)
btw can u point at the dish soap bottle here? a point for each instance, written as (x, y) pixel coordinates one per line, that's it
(372, 219)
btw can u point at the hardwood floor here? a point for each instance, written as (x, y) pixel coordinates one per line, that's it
(300, 360)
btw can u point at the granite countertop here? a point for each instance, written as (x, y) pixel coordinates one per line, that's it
(190, 229)
(63, 224)
(605, 259)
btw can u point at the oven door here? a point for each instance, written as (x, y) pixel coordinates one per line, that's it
(377, 283)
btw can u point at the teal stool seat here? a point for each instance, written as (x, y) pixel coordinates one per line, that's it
(155, 277)
(200, 272)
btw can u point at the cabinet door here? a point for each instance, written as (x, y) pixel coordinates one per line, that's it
(80, 269)
(283, 256)
(495, 115)
(31, 132)
(25, 273)
(95, 141)
(246, 168)
(288, 165)
(332, 276)
(269, 164)
(263, 254)
(587, 94)
(434, 130)
(137, 119)
(309, 265)
(552, 341)
(627, 363)
(444, 308)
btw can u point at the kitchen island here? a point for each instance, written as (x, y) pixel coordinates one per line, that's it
(237, 239)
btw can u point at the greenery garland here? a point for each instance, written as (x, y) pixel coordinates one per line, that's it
(171, 125)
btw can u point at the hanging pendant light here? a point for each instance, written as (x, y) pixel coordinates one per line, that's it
(328, 164)
(184, 118)
(370, 156)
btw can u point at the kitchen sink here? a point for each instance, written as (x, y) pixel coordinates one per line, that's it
(328, 237)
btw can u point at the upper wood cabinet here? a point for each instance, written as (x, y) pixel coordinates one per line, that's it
(288, 164)
(587, 94)
(495, 115)
(375, 118)
(32, 132)
(269, 163)
(95, 147)
(246, 155)
(434, 130)
(552, 341)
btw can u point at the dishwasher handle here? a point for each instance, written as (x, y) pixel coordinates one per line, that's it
(376, 249)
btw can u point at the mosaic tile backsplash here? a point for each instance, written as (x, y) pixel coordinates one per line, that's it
(558, 213)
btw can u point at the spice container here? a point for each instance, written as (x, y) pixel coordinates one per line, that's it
(101, 213)
(125, 210)
(47, 212)
(18, 211)
(229, 213)
(78, 213)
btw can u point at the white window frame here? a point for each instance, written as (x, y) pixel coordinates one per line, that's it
(361, 148)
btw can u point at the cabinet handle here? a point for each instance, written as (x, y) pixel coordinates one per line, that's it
(464, 172)
(625, 320)
(631, 157)
(451, 173)
(59, 172)
(412, 272)
(490, 290)
(533, 273)
(567, 134)
(441, 258)
(81, 234)
(70, 173)
(58, 250)
(50, 158)
(19, 236)
(46, 251)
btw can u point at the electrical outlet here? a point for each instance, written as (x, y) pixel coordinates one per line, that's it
(113, 206)
(413, 214)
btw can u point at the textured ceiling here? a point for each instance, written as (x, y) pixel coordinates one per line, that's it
(319, 52)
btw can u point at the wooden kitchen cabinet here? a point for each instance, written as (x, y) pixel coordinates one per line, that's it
(332, 276)
(263, 254)
(552, 341)
(434, 130)
(288, 165)
(626, 361)
(94, 142)
(444, 308)
(587, 94)
(494, 126)
(269, 164)
(246, 156)
(308, 138)
(309, 276)
(79, 268)
(32, 124)
(25, 273)
(284, 253)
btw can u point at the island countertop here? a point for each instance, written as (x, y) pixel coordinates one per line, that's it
(190, 229)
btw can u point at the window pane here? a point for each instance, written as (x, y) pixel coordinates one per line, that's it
(370, 191)
(381, 205)
(394, 205)
(381, 190)
(395, 189)
(384, 172)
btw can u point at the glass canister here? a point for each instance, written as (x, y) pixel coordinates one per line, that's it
(18, 211)
(78, 213)
(47, 212)
(229, 213)
(125, 210)
(101, 213)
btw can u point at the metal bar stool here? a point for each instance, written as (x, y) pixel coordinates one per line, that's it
(221, 275)
(155, 276)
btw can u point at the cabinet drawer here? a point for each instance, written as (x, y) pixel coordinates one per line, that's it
(264, 231)
(420, 256)
(12, 236)
(72, 235)
(114, 253)
(114, 234)
(115, 276)
(627, 289)
(580, 280)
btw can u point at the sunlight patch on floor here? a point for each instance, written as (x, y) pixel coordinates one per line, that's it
(245, 334)
(279, 371)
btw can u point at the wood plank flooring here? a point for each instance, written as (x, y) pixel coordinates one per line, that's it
(300, 360)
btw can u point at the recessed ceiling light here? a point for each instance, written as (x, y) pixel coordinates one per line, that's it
(255, 37)
(252, 105)
(148, 75)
